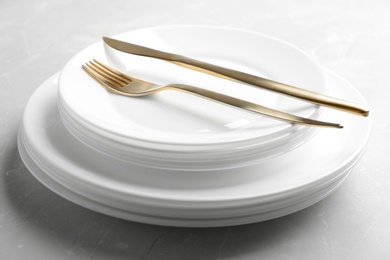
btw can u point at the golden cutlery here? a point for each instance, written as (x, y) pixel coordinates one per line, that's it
(123, 84)
(231, 74)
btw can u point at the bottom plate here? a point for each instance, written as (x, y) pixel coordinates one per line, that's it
(298, 179)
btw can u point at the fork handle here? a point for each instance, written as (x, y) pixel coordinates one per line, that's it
(239, 103)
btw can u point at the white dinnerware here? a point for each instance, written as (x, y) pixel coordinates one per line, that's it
(178, 160)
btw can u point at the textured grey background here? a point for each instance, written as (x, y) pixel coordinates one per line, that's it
(352, 38)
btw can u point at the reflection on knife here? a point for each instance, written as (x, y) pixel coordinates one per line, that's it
(231, 74)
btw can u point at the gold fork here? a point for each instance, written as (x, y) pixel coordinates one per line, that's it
(123, 84)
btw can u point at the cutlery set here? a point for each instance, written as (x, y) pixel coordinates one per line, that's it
(226, 73)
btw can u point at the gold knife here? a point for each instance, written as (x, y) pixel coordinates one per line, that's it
(231, 74)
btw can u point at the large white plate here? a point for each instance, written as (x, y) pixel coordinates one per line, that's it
(172, 118)
(211, 198)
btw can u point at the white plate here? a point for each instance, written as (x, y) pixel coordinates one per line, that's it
(170, 119)
(209, 198)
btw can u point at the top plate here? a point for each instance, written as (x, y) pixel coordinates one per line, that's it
(172, 117)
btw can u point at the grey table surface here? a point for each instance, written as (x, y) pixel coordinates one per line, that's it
(349, 37)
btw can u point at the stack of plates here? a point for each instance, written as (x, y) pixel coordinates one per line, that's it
(176, 159)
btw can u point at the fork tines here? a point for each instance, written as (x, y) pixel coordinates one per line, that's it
(106, 75)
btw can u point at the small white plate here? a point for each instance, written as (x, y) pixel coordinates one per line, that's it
(210, 198)
(174, 120)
